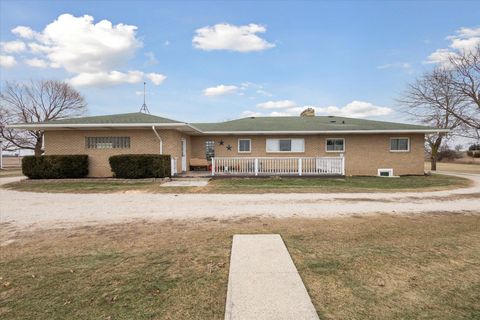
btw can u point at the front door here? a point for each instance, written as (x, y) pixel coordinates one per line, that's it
(184, 155)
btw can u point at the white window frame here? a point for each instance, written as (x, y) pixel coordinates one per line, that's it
(266, 145)
(250, 145)
(389, 170)
(408, 144)
(337, 151)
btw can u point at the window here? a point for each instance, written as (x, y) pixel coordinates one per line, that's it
(335, 145)
(399, 144)
(107, 142)
(285, 145)
(385, 172)
(244, 145)
(209, 149)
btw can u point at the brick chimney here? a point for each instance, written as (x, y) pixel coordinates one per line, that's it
(309, 112)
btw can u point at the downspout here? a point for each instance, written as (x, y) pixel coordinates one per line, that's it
(159, 139)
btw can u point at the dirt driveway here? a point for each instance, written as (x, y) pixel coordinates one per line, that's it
(27, 210)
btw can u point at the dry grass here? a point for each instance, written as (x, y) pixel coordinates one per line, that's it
(455, 167)
(255, 185)
(378, 267)
(10, 173)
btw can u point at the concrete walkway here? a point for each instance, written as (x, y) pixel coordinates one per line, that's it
(263, 282)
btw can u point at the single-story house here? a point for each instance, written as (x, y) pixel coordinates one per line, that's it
(302, 145)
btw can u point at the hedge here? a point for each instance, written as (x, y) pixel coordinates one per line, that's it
(55, 167)
(138, 166)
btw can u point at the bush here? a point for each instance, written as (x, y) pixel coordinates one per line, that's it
(448, 154)
(138, 166)
(474, 151)
(55, 167)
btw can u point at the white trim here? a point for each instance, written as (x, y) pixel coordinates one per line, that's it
(408, 144)
(238, 145)
(266, 145)
(335, 151)
(323, 132)
(389, 170)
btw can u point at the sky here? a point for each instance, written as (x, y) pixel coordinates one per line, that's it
(213, 61)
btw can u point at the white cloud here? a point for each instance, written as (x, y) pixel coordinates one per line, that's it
(230, 37)
(37, 63)
(219, 90)
(151, 59)
(354, 109)
(13, 46)
(280, 104)
(401, 65)
(106, 78)
(23, 32)
(156, 78)
(79, 45)
(7, 61)
(93, 52)
(465, 39)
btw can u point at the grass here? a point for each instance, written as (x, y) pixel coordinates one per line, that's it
(378, 267)
(456, 167)
(256, 185)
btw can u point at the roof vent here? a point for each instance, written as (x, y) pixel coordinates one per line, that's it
(333, 121)
(309, 112)
(252, 117)
(330, 116)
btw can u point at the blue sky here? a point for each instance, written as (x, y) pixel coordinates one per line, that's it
(257, 58)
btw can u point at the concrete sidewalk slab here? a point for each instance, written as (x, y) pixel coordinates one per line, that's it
(186, 183)
(263, 282)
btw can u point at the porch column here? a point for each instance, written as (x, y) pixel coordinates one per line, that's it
(213, 166)
(256, 166)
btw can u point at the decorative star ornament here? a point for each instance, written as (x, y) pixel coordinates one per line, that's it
(229, 148)
(221, 142)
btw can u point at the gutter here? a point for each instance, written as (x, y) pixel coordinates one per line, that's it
(325, 132)
(159, 139)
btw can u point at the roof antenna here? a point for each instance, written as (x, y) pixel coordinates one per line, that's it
(144, 107)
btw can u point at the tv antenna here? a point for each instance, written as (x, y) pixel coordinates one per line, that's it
(144, 107)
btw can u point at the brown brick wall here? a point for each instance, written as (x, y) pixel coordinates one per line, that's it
(141, 141)
(364, 154)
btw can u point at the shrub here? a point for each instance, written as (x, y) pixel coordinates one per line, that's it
(137, 166)
(55, 167)
(447, 154)
(474, 151)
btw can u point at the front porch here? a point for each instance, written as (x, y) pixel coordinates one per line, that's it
(270, 166)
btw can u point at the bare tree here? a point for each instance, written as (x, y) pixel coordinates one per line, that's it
(37, 101)
(466, 81)
(433, 101)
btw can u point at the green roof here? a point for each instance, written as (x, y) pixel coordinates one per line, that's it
(245, 125)
(124, 118)
(317, 123)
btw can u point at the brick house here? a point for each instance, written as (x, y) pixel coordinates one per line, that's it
(303, 145)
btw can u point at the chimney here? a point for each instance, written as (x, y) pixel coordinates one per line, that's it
(309, 112)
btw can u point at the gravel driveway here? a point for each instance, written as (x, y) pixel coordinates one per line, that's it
(27, 210)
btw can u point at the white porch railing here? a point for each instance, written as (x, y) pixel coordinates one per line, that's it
(278, 166)
(173, 166)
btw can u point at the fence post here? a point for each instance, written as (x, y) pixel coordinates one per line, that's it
(343, 164)
(299, 166)
(213, 166)
(256, 166)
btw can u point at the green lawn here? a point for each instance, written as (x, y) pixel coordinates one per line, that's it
(257, 185)
(377, 267)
